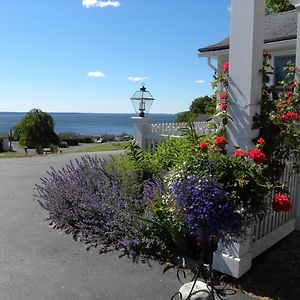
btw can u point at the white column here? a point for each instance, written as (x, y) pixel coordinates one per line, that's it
(140, 130)
(296, 3)
(245, 80)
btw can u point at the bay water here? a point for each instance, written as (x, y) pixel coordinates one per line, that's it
(90, 124)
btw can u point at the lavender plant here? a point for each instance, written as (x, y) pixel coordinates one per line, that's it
(91, 200)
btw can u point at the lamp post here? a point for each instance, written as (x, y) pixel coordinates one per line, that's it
(142, 101)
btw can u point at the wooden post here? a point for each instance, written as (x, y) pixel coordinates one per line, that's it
(245, 80)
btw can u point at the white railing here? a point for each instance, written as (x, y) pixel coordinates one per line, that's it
(159, 132)
(276, 225)
(236, 259)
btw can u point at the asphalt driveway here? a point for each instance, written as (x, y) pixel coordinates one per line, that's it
(38, 262)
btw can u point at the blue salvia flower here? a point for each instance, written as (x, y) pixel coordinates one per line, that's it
(206, 208)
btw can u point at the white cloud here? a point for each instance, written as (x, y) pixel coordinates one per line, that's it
(137, 78)
(229, 8)
(95, 74)
(200, 81)
(97, 3)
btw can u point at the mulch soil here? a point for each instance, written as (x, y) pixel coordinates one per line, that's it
(275, 274)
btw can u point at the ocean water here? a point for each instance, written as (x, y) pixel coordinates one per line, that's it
(93, 124)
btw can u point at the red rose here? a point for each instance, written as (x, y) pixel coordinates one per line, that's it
(293, 85)
(261, 141)
(226, 67)
(281, 202)
(266, 55)
(289, 116)
(240, 153)
(220, 140)
(264, 93)
(257, 156)
(223, 106)
(203, 146)
(289, 94)
(224, 96)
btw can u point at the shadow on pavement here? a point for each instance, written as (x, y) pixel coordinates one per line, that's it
(275, 274)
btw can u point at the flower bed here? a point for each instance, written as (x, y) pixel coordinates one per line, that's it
(186, 196)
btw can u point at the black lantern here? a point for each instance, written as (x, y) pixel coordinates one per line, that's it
(142, 101)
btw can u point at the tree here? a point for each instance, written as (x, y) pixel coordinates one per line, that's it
(203, 105)
(277, 6)
(36, 130)
(200, 105)
(183, 117)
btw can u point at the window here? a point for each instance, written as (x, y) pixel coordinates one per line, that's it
(280, 74)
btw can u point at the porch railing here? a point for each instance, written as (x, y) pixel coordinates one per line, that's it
(236, 259)
(159, 132)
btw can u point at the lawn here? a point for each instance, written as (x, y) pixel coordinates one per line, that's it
(93, 148)
(106, 147)
(13, 155)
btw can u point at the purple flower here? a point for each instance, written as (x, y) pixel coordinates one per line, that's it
(205, 207)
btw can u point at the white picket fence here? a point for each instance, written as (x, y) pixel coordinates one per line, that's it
(159, 132)
(236, 259)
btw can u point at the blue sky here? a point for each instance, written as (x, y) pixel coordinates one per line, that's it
(91, 55)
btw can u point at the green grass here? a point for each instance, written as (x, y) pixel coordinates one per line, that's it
(94, 148)
(106, 147)
(13, 155)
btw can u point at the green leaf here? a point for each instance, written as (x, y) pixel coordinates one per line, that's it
(175, 235)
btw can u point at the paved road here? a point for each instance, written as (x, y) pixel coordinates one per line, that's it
(37, 262)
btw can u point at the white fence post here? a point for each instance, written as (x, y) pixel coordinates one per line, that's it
(235, 260)
(245, 79)
(141, 128)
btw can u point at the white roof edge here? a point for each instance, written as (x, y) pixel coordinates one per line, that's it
(213, 54)
(290, 44)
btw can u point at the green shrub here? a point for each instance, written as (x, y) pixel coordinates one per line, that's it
(168, 154)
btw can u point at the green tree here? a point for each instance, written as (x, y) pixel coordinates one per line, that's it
(203, 105)
(200, 105)
(277, 6)
(183, 117)
(36, 130)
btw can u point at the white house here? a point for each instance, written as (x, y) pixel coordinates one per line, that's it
(280, 39)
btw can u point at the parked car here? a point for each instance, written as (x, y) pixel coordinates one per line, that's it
(63, 144)
(125, 138)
